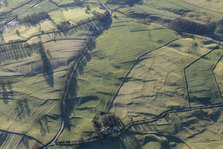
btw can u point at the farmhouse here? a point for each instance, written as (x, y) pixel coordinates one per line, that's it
(107, 124)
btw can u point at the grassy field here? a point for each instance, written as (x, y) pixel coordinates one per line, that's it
(158, 78)
(204, 89)
(30, 93)
(187, 130)
(27, 114)
(162, 10)
(214, 5)
(218, 75)
(154, 67)
(62, 2)
(6, 5)
(67, 15)
(101, 77)
(49, 25)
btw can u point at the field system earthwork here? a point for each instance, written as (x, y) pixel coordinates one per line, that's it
(111, 74)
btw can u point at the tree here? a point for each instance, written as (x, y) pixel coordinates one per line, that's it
(18, 33)
(35, 18)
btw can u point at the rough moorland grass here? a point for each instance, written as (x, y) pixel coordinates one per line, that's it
(43, 119)
(201, 84)
(213, 14)
(178, 5)
(151, 11)
(157, 82)
(212, 5)
(115, 51)
(37, 86)
(26, 114)
(218, 73)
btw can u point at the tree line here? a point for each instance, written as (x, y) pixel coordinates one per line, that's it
(189, 26)
(15, 51)
(35, 18)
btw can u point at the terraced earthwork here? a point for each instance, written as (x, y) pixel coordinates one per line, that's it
(111, 74)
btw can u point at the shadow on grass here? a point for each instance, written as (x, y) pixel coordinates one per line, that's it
(6, 91)
(125, 141)
(71, 98)
(47, 68)
(45, 121)
(22, 109)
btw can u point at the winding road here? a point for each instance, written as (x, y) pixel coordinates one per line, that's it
(96, 137)
(72, 73)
